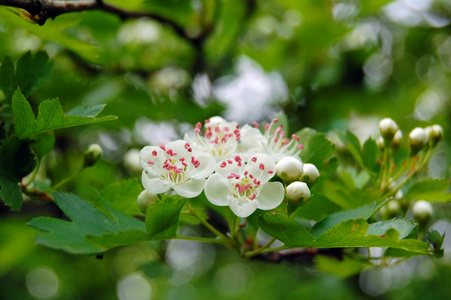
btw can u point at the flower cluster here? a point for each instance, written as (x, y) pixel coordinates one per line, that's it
(234, 166)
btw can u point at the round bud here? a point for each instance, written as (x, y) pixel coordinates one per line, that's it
(422, 212)
(131, 161)
(380, 143)
(417, 139)
(298, 192)
(145, 200)
(435, 134)
(388, 128)
(310, 175)
(393, 209)
(92, 155)
(397, 140)
(289, 168)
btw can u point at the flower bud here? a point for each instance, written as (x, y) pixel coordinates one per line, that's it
(310, 175)
(434, 133)
(397, 140)
(380, 143)
(417, 139)
(145, 200)
(388, 128)
(131, 161)
(298, 194)
(92, 155)
(422, 212)
(289, 169)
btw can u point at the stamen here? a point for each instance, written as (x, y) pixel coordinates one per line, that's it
(154, 153)
(256, 125)
(261, 167)
(151, 162)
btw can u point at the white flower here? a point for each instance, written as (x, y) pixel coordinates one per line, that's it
(220, 138)
(272, 142)
(244, 186)
(299, 192)
(388, 128)
(175, 166)
(310, 175)
(145, 200)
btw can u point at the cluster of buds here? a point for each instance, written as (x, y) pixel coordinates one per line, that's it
(391, 135)
(234, 166)
(298, 178)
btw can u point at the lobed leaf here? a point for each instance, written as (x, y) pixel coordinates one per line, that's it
(286, 230)
(50, 116)
(123, 195)
(162, 217)
(433, 190)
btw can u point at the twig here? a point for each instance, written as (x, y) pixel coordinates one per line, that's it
(48, 9)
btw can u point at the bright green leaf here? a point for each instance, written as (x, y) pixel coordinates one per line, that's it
(16, 161)
(50, 116)
(317, 149)
(162, 217)
(123, 196)
(285, 229)
(370, 154)
(403, 227)
(430, 190)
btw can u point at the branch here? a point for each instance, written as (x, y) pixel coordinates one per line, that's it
(48, 9)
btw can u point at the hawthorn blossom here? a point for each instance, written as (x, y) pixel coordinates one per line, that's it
(175, 166)
(220, 138)
(272, 141)
(245, 186)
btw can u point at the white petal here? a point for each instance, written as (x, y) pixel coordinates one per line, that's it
(178, 147)
(145, 155)
(242, 207)
(206, 167)
(251, 137)
(217, 189)
(190, 188)
(155, 185)
(263, 161)
(270, 196)
(225, 168)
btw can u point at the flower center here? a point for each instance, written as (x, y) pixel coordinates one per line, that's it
(221, 140)
(277, 141)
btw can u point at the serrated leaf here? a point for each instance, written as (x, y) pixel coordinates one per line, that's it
(123, 196)
(50, 117)
(30, 72)
(285, 229)
(430, 190)
(317, 149)
(330, 221)
(16, 161)
(162, 217)
(121, 238)
(88, 111)
(353, 233)
(86, 221)
(403, 227)
(352, 143)
(43, 143)
(370, 154)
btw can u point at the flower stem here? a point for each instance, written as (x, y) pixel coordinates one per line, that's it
(210, 227)
(64, 181)
(261, 249)
(199, 239)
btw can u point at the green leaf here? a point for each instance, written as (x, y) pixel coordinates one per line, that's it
(87, 221)
(352, 143)
(50, 116)
(156, 269)
(123, 196)
(430, 190)
(285, 229)
(353, 233)
(16, 161)
(330, 221)
(317, 149)
(42, 144)
(30, 72)
(88, 111)
(436, 239)
(370, 154)
(162, 217)
(342, 268)
(403, 227)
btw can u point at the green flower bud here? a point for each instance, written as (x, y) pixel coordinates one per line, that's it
(310, 175)
(397, 140)
(422, 212)
(289, 169)
(434, 133)
(417, 139)
(145, 200)
(388, 128)
(297, 194)
(92, 155)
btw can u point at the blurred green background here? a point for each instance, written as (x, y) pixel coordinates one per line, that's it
(326, 64)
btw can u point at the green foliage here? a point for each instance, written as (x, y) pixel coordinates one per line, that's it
(16, 161)
(86, 220)
(31, 71)
(162, 217)
(285, 229)
(122, 195)
(342, 268)
(433, 190)
(51, 116)
(317, 150)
